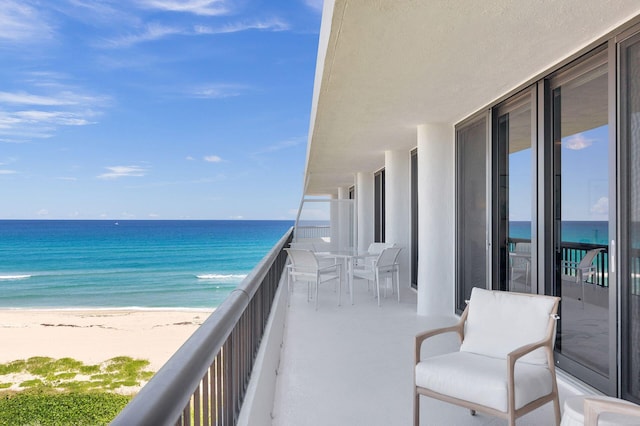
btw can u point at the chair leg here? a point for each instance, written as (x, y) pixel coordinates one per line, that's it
(473, 412)
(378, 286)
(339, 287)
(317, 285)
(398, 283)
(556, 409)
(416, 408)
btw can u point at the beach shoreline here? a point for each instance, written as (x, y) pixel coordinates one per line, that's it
(94, 335)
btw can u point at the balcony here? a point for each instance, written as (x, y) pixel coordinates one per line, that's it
(338, 365)
(352, 365)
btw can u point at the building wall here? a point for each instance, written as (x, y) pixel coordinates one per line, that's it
(364, 206)
(436, 214)
(398, 207)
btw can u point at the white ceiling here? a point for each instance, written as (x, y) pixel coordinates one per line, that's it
(386, 66)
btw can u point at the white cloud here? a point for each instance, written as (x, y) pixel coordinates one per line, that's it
(66, 178)
(151, 32)
(23, 98)
(577, 142)
(601, 206)
(154, 215)
(7, 172)
(116, 172)
(158, 31)
(21, 23)
(236, 217)
(216, 91)
(271, 25)
(43, 212)
(289, 143)
(314, 4)
(196, 7)
(50, 103)
(190, 158)
(212, 159)
(60, 118)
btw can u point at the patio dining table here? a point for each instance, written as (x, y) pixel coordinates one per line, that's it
(347, 259)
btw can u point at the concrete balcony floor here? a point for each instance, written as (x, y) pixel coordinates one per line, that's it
(352, 364)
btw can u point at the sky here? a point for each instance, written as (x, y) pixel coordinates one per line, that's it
(155, 109)
(584, 178)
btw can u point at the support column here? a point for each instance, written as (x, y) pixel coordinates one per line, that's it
(344, 219)
(436, 219)
(397, 166)
(334, 214)
(364, 209)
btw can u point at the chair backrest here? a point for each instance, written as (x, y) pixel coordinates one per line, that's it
(302, 245)
(376, 248)
(522, 248)
(303, 259)
(587, 260)
(388, 256)
(499, 322)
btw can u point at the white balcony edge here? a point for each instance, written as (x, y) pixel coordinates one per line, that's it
(258, 403)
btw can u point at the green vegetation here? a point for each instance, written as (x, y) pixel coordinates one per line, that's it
(44, 409)
(64, 391)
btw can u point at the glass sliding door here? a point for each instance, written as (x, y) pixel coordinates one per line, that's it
(414, 218)
(581, 214)
(514, 194)
(379, 206)
(471, 209)
(630, 215)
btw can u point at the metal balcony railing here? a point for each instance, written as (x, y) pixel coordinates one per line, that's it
(205, 381)
(574, 252)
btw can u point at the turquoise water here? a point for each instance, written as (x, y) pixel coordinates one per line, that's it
(149, 264)
(591, 232)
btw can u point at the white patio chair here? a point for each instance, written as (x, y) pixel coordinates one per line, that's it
(385, 265)
(374, 251)
(505, 363)
(583, 270)
(305, 266)
(521, 261)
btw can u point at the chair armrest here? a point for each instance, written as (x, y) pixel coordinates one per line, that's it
(594, 407)
(421, 337)
(513, 356)
(329, 267)
(570, 264)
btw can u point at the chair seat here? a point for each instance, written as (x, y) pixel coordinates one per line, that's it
(482, 380)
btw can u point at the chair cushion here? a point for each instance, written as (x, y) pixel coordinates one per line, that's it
(482, 379)
(501, 321)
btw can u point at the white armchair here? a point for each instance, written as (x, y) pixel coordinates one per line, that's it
(305, 266)
(619, 412)
(505, 363)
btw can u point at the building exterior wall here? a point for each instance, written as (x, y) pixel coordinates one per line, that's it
(364, 208)
(398, 206)
(436, 213)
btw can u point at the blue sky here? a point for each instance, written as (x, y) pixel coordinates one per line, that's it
(155, 109)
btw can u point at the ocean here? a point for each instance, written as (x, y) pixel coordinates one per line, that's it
(590, 232)
(128, 263)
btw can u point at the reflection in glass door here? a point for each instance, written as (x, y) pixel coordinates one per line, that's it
(581, 220)
(471, 210)
(514, 164)
(630, 214)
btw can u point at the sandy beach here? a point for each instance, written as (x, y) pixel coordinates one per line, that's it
(93, 336)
